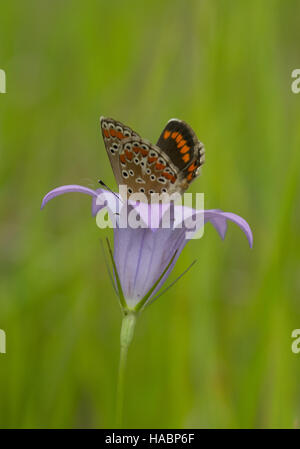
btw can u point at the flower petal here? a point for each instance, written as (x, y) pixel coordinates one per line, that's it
(100, 197)
(219, 220)
(141, 256)
(67, 189)
(242, 223)
(195, 219)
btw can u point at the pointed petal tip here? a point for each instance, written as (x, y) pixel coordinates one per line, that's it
(242, 224)
(73, 188)
(219, 220)
(250, 238)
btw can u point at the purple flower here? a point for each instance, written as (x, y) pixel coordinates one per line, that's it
(144, 257)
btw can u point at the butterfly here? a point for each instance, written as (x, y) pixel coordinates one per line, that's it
(167, 167)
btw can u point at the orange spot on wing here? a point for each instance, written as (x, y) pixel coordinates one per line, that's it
(186, 157)
(106, 132)
(120, 135)
(178, 138)
(122, 158)
(189, 177)
(174, 134)
(129, 155)
(140, 150)
(192, 167)
(144, 152)
(113, 132)
(183, 142)
(184, 149)
(167, 134)
(159, 166)
(151, 159)
(169, 176)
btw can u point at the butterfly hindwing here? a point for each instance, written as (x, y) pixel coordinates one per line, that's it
(181, 144)
(145, 168)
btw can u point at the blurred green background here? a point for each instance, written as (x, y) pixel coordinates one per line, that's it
(215, 351)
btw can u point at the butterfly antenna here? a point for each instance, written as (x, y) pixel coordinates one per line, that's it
(104, 185)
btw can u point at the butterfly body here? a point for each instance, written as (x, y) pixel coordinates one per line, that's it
(167, 167)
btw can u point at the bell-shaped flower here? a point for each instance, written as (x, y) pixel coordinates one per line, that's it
(148, 239)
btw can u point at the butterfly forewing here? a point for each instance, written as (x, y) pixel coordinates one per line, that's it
(113, 133)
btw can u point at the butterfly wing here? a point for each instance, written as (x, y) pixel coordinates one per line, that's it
(114, 133)
(170, 166)
(145, 168)
(180, 143)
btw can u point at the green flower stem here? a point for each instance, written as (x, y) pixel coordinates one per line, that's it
(127, 331)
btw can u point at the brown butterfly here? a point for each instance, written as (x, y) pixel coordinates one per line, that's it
(167, 167)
